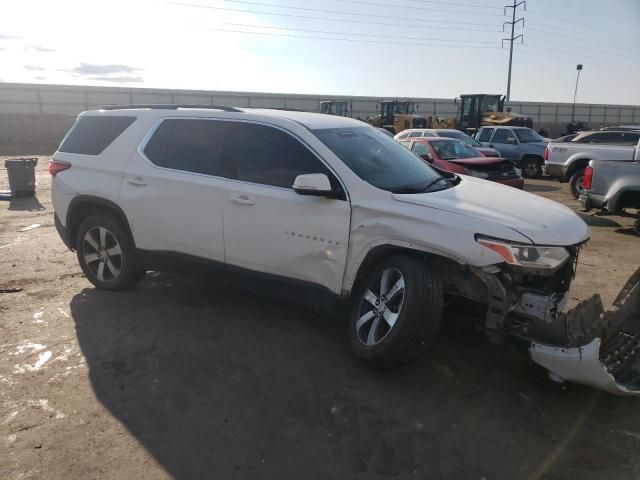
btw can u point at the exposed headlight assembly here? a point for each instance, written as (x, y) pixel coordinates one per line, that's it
(532, 256)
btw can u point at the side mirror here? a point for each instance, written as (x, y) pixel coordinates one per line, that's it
(428, 157)
(315, 184)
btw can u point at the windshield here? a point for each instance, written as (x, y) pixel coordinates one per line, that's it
(450, 149)
(490, 104)
(379, 160)
(457, 134)
(526, 135)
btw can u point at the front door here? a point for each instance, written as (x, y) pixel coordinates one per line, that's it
(504, 140)
(284, 241)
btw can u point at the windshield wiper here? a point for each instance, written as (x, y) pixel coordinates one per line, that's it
(412, 189)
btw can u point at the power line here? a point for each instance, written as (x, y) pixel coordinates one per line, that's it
(342, 39)
(317, 10)
(512, 37)
(577, 52)
(472, 5)
(571, 60)
(363, 22)
(590, 57)
(439, 10)
(330, 32)
(589, 37)
(583, 25)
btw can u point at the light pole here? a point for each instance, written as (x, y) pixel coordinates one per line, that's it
(575, 92)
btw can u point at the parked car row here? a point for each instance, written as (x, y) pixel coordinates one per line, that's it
(613, 185)
(454, 156)
(567, 161)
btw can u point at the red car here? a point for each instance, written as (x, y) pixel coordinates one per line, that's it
(454, 156)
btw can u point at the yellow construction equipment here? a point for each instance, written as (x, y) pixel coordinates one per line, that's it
(396, 116)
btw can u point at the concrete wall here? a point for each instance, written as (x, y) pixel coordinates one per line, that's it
(34, 118)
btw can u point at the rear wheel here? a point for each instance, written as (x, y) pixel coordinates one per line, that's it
(105, 253)
(576, 183)
(531, 168)
(396, 312)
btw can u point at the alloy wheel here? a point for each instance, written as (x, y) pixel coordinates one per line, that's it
(380, 306)
(102, 254)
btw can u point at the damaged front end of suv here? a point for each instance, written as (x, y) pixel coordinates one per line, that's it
(526, 298)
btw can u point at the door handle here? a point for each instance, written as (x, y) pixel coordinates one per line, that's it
(137, 181)
(242, 200)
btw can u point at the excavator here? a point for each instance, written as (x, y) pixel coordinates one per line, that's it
(396, 116)
(478, 110)
(341, 108)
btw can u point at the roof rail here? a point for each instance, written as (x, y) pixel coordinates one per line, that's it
(160, 106)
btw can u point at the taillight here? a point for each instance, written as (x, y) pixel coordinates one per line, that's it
(56, 166)
(588, 177)
(546, 153)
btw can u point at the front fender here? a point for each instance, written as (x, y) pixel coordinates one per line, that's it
(421, 229)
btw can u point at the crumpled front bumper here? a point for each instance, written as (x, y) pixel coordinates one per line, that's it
(608, 355)
(584, 365)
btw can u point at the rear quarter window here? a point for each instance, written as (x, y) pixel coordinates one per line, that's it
(91, 135)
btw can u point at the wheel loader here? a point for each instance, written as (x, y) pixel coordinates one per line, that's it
(396, 116)
(478, 110)
(341, 108)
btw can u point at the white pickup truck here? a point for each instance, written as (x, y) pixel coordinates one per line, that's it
(567, 161)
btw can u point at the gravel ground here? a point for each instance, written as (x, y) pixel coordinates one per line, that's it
(179, 379)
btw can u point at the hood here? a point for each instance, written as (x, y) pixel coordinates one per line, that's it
(476, 160)
(489, 152)
(543, 221)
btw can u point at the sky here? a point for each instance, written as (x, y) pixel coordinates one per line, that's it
(383, 48)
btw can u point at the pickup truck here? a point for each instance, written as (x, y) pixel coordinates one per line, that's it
(567, 161)
(612, 186)
(522, 145)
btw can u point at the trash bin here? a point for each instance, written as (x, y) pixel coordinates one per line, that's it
(22, 176)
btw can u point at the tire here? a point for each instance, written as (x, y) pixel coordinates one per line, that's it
(106, 254)
(415, 310)
(575, 183)
(531, 168)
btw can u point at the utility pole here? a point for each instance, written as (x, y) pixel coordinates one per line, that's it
(575, 92)
(511, 38)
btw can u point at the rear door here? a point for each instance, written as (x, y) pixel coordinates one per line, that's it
(281, 241)
(170, 195)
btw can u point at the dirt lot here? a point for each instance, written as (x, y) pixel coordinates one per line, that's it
(180, 379)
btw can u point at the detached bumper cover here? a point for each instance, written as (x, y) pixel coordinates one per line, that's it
(609, 355)
(584, 365)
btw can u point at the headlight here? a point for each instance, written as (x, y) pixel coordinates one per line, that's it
(476, 173)
(532, 256)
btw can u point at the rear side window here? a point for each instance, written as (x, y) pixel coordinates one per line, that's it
(187, 145)
(485, 134)
(266, 155)
(91, 135)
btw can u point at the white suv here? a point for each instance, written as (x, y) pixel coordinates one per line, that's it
(319, 209)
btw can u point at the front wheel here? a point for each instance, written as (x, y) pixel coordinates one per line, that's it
(576, 183)
(396, 312)
(531, 168)
(106, 254)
